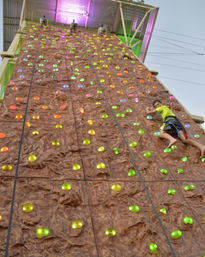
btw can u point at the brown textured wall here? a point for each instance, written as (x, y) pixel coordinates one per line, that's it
(127, 85)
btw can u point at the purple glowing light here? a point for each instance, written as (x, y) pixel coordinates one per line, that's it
(65, 86)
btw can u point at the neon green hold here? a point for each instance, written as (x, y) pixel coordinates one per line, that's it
(164, 171)
(110, 232)
(66, 186)
(131, 173)
(42, 232)
(189, 187)
(153, 248)
(180, 171)
(176, 234)
(134, 208)
(188, 220)
(171, 191)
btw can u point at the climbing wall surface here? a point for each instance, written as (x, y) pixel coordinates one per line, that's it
(92, 177)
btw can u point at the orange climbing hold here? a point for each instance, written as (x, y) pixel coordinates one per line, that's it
(63, 107)
(4, 149)
(19, 116)
(2, 135)
(12, 107)
(142, 81)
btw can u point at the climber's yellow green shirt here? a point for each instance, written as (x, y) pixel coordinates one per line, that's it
(164, 112)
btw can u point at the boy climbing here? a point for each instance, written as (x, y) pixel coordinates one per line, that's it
(172, 127)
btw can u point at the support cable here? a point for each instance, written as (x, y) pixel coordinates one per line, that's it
(132, 157)
(18, 158)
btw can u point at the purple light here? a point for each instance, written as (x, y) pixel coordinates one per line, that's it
(67, 12)
(123, 100)
(19, 70)
(80, 86)
(22, 76)
(65, 86)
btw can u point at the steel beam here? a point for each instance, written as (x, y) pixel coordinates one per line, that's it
(139, 26)
(123, 25)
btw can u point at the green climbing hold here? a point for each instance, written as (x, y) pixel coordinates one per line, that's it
(141, 131)
(136, 124)
(129, 110)
(167, 150)
(114, 107)
(131, 173)
(153, 248)
(105, 116)
(134, 208)
(66, 186)
(163, 210)
(133, 144)
(189, 187)
(173, 147)
(115, 150)
(188, 220)
(171, 192)
(176, 234)
(184, 159)
(180, 171)
(147, 154)
(164, 171)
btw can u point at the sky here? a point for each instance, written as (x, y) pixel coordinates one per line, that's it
(177, 51)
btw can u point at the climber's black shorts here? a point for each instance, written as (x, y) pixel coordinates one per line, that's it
(173, 126)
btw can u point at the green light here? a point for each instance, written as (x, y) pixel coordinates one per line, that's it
(176, 234)
(134, 208)
(66, 186)
(110, 232)
(153, 248)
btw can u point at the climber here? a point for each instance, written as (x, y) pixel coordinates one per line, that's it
(102, 29)
(172, 127)
(44, 21)
(73, 26)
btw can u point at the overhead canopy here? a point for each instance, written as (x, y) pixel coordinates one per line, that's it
(87, 13)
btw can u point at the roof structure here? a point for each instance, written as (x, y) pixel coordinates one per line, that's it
(88, 14)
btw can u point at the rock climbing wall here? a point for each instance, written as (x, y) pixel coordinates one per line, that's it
(83, 172)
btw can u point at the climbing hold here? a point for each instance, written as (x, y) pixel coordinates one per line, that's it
(136, 124)
(27, 207)
(176, 234)
(32, 158)
(104, 116)
(116, 187)
(164, 171)
(149, 117)
(100, 166)
(171, 191)
(180, 171)
(184, 159)
(133, 144)
(101, 149)
(147, 154)
(173, 147)
(141, 131)
(91, 132)
(163, 210)
(188, 220)
(131, 173)
(2, 135)
(134, 208)
(77, 224)
(76, 166)
(86, 141)
(153, 248)
(197, 136)
(189, 187)
(7, 167)
(167, 150)
(55, 143)
(110, 232)
(90, 122)
(129, 110)
(115, 150)
(66, 186)
(42, 232)
(35, 132)
(58, 126)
